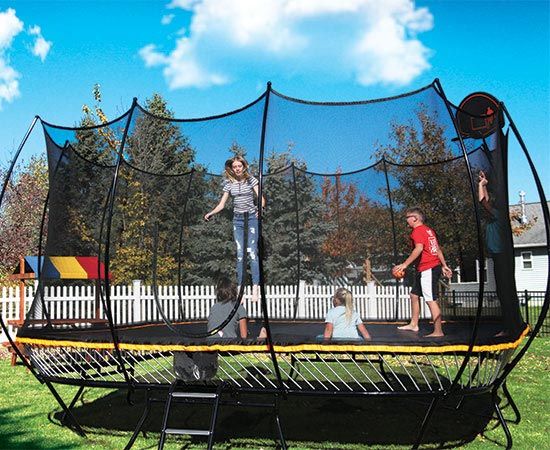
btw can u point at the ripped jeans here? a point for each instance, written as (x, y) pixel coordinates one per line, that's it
(252, 247)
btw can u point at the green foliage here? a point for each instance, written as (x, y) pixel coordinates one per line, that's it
(30, 417)
(442, 191)
(294, 206)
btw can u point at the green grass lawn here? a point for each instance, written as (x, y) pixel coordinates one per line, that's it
(29, 418)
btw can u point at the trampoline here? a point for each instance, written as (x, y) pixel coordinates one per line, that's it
(131, 194)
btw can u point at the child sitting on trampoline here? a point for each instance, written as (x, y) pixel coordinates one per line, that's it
(342, 322)
(226, 296)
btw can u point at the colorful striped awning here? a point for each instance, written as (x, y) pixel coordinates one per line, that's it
(65, 267)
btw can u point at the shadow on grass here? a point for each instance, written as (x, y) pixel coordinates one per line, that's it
(25, 437)
(367, 421)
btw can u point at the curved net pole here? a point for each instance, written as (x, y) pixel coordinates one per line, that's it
(168, 322)
(4, 189)
(45, 309)
(298, 266)
(393, 234)
(263, 299)
(108, 214)
(481, 252)
(545, 212)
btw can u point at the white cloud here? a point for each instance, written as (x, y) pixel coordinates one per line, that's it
(10, 26)
(369, 40)
(9, 84)
(35, 30)
(41, 46)
(181, 67)
(167, 19)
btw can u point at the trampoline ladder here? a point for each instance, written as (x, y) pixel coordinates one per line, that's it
(212, 398)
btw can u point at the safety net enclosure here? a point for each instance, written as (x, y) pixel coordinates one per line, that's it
(337, 179)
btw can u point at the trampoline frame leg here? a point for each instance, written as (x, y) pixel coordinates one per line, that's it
(425, 422)
(73, 402)
(502, 421)
(66, 410)
(512, 404)
(278, 423)
(141, 421)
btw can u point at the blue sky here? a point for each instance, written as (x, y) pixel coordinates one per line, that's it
(207, 57)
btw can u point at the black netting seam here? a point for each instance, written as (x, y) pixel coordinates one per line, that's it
(91, 127)
(200, 119)
(146, 172)
(359, 102)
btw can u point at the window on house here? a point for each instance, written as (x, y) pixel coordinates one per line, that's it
(527, 260)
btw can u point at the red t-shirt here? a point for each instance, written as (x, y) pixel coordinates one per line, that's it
(428, 259)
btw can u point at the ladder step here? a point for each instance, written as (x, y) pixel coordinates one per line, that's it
(189, 432)
(194, 395)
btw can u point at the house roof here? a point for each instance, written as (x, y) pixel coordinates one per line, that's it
(536, 234)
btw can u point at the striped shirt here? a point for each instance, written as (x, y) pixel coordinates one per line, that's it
(243, 194)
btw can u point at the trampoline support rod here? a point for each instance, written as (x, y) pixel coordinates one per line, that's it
(263, 300)
(425, 422)
(481, 273)
(546, 214)
(66, 409)
(4, 189)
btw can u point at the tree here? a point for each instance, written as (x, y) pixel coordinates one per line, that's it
(362, 224)
(294, 205)
(148, 197)
(21, 212)
(441, 189)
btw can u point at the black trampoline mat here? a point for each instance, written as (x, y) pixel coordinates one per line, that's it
(284, 333)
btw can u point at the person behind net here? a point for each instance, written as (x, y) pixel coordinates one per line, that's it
(242, 186)
(342, 322)
(498, 250)
(226, 296)
(430, 263)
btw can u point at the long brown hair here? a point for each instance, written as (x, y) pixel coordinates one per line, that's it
(226, 290)
(228, 172)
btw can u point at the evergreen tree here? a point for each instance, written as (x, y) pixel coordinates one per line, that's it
(294, 205)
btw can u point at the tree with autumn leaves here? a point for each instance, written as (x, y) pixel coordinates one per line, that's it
(421, 171)
(21, 212)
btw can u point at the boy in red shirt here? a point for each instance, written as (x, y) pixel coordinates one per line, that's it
(430, 262)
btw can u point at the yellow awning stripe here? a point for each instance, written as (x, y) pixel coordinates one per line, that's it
(68, 267)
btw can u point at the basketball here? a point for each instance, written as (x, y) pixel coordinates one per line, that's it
(398, 274)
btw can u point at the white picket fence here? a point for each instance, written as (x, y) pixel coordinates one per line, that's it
(136, 303)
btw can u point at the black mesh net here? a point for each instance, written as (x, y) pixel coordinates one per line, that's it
(337, 180)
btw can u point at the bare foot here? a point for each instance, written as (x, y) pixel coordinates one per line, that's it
(408, 327)
(263, 334)
(434, 334)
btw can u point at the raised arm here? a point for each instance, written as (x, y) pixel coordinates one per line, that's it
(482, 191)
(218, 207)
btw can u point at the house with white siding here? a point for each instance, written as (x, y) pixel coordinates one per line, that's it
(531, 255)
(530, 252)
